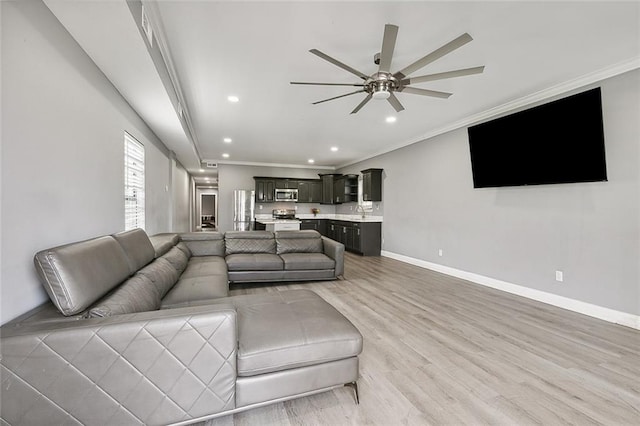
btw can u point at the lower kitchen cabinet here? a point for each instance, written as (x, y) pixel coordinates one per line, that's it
(315, 224)
(358, 237)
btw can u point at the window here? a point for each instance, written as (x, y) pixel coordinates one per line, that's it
(133, 183)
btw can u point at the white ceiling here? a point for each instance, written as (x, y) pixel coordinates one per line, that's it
(254, 49)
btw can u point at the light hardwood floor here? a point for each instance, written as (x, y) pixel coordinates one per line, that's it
(440, 350)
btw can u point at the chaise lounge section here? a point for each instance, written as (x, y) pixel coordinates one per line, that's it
(142, 331)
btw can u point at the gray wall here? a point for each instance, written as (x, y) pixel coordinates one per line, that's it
(522, 235)
(62, 172)
(181, 197)
(232, 177)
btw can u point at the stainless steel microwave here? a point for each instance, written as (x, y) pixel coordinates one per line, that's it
(286, 195)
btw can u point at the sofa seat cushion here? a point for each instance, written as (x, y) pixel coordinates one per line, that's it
(196, 290)
(203, 266)
(307, 261)
(290, 329)
(254, 262)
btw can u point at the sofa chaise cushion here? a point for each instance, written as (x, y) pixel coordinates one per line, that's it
(310, 331)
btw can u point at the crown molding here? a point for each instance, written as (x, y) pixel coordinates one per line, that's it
(283, 165)
(548, 93)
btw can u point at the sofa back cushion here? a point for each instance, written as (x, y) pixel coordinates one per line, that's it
(137, 294)
(162, 274)
(162, 243)
(204, 243)
(177, 258)
(307, 241)
(249, 242)
(137, 246)
(76, 275)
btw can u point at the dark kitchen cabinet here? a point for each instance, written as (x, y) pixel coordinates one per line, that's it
(286, 184)
(358, 237)
(328, 181)
(315, 224)
(345, 189)
(372, 185)
(310, 191)
(265, 190)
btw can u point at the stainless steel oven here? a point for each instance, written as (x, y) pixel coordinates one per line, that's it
(286, 195)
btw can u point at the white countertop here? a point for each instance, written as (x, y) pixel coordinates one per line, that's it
(268, 221)
(267, 218)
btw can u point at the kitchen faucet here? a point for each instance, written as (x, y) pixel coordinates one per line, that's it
(360, 208)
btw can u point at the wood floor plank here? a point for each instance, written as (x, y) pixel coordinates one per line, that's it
(443, 351)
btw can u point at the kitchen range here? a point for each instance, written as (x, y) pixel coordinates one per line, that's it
(281, 220)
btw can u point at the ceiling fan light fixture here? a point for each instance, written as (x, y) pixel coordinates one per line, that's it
(381, 94)
(381, 90)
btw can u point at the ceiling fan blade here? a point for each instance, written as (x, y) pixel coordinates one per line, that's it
(339, 64)
(443, 75)
(361, 104)
(337, 97)
(436, 54)
(327, 84)
(425, 92)
(388, 44)
(395, 103)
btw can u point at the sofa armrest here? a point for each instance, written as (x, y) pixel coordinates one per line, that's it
(154, 367)
(334, 250)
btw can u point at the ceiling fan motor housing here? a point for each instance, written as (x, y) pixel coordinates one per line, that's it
(381, 84)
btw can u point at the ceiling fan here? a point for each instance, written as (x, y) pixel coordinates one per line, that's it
(384, 84)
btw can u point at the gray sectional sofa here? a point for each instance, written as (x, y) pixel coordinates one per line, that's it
(142, 331)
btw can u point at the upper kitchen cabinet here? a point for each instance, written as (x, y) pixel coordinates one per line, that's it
(265, 190)
(286, 184)
(328, 181)
(310, 191)
(372, 185)
(345, 189)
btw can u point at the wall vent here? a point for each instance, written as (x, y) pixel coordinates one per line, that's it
(211, 165)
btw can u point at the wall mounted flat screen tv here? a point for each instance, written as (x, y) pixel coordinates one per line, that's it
(558, 142)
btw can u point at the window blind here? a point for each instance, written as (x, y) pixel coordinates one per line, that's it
(133, 183)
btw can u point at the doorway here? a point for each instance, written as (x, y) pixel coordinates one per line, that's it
(208, 212)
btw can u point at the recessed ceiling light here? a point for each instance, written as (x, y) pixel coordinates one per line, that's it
(201, 170)
(233, 98)
(391, 119)
(311, 161)
(225, 155)
(227, 140)
(334, 148)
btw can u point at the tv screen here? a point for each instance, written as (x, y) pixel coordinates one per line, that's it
(558, 142)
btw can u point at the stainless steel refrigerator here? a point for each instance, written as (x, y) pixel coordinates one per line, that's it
(243, 210)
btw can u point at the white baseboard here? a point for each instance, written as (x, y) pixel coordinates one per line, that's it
(606, 314)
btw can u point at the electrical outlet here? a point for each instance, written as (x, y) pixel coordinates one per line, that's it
(559, 276)
(440, 252)
(260, 207)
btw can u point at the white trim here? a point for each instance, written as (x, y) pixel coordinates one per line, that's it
(550, 92)
(283, 165)
(600, 312)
